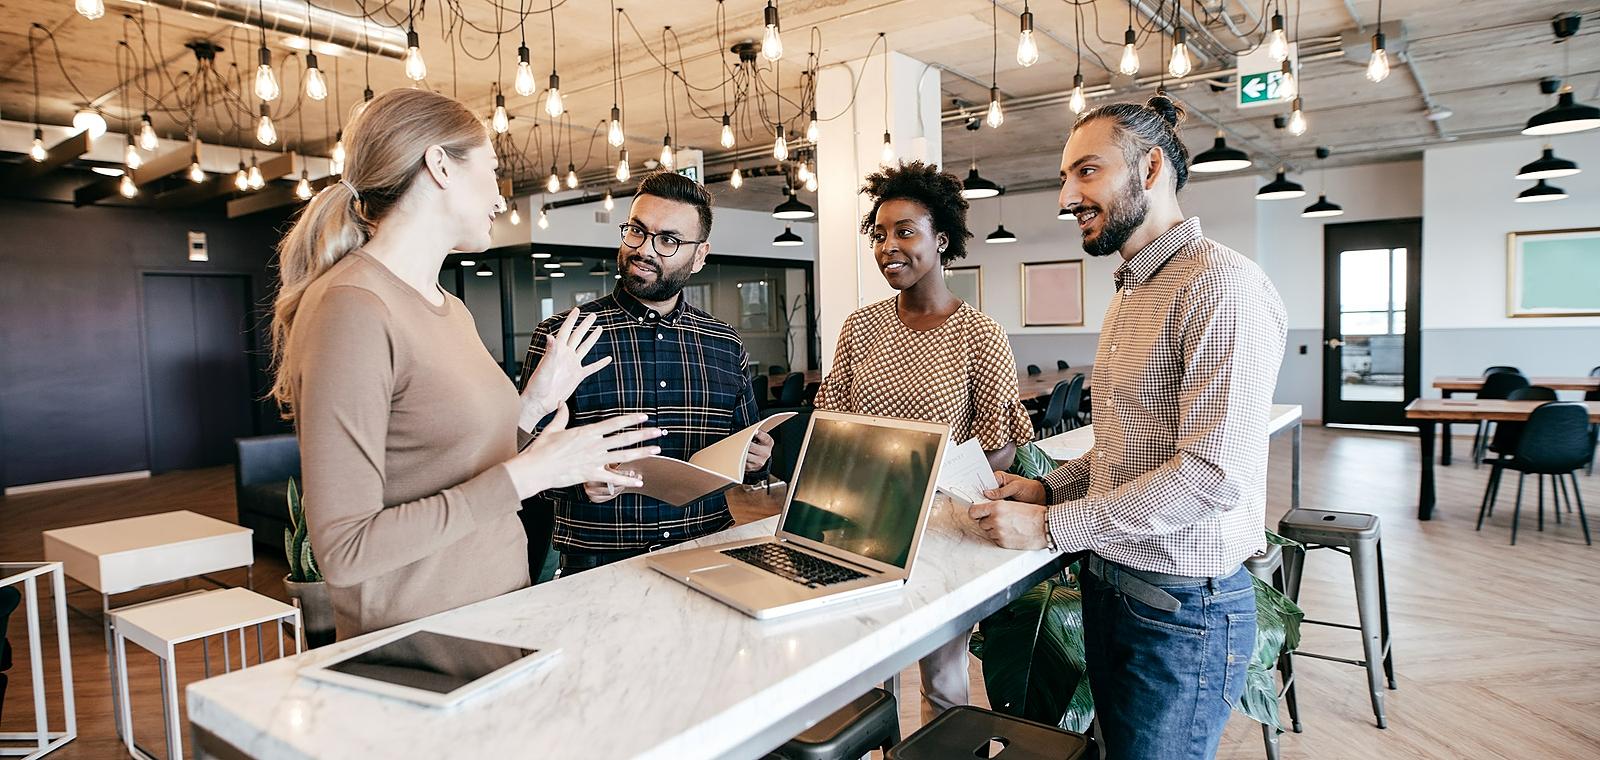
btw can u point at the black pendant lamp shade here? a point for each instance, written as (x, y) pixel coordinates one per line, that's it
(1567, 115)
(787, 239)
(975, 186)
(1000, 235)
(1220, 158)
(1280, 189)
(1549, 166)
(1322, 208)
(793, 208)
(1540, 193)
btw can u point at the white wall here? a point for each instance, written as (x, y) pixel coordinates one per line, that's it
(734, 232)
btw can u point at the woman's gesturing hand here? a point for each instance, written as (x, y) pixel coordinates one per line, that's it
(561, 368)
(563, 456)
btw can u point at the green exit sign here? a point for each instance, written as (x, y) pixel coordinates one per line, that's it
(1260, 88)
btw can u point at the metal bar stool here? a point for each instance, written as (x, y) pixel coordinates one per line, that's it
(869, 722)
(966, 731)
(1268, 566)
(1355, 535)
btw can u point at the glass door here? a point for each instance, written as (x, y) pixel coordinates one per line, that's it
(1371, 351)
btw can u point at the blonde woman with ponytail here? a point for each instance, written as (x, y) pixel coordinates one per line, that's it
(409, 431)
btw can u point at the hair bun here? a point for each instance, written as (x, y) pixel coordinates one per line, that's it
(1169, 111)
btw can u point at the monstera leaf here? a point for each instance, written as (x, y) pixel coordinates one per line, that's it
(1032, 653)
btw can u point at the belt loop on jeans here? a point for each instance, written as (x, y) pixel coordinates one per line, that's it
(1128, 582)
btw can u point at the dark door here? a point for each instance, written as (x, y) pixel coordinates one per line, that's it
(197, 341)
(1371, 318)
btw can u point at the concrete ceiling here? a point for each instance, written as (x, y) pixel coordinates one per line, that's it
(1480, 59)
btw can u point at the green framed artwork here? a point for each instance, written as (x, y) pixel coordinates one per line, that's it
(966, 283)
(1553, 273)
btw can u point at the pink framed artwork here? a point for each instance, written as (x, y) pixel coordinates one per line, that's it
(1052, 293)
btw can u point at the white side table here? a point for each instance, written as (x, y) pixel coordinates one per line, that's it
(161, 625)
(43, 740)
(119, 556)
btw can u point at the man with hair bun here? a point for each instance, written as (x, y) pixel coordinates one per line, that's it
(1171, 499)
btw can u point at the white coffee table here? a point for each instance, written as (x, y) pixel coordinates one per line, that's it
(119, 556)
(43, 740)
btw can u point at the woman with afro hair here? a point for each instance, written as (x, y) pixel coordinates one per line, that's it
(925, 354)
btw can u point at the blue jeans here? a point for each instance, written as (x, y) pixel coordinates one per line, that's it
(1165, 682)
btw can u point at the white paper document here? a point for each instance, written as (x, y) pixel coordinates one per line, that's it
(712, 470)
(966, 473)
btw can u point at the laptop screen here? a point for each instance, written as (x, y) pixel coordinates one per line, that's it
(860, 487)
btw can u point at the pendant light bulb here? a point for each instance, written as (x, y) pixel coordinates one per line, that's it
(804, 172)
(131, 157)
(1027, 48)
(37, 152)
(726, 140)
(1277, 40)
(1180, 65)
(302, 189)
(771, 41)
(887, 155)
(737, 179)
(90, 9)
(126, 187)
(416, 68)
(1378, 64)
(501, 122)
(266, 81)
(525, 83)
(665, 158)
(553, 104)
(811, 183)
(256, 180)
(813, 128)
(516, 217)
(1297, 120)
(780, 146)
(572, 176)
(147, 134)
(622, 166)
(544, 220)
(1078, 103)
(614, 134)
(316, 84)
(1288, 83)
(609, 202)
(266, 134)
(241, 179)
(196, 174)
(554, 183)
(1130, 53)
(336, 161)
(995, 117)
(89, 120)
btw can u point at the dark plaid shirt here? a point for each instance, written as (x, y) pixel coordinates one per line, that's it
(687, 370)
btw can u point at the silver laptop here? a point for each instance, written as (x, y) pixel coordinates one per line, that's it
(857, 507)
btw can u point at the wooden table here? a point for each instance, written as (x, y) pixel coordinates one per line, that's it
(1449, 385)
(1030, 387)
(1432, 411)
(775, 382)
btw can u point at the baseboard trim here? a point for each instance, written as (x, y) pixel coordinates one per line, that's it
(95, 480)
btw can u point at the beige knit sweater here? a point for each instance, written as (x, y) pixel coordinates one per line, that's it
(404, 420)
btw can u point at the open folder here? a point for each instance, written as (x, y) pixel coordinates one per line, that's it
(712, 470)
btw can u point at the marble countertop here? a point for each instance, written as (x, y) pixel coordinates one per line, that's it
(648, 667)
(1075, 443)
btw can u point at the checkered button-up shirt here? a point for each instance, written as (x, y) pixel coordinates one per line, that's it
(1183, 382)
(686, 370)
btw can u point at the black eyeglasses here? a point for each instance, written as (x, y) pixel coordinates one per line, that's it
(665, 245)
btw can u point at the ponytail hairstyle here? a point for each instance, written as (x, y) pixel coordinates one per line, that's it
(1143, 127)
(386, 141)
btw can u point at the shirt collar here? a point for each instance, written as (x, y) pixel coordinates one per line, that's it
(640, 312)
(1150, 258)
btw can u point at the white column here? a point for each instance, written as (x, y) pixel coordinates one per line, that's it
(849, 149)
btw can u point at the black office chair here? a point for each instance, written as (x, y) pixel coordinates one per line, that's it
(793, 391)
(1496, 386)
(1495, 369)
(1062, 366)
(761, 388)
(1594, 430)
(776, 370)
(1061, 414)
(10, 599)
(1554, 442)
(1507, 437)
(808, 396)
(1033, 370)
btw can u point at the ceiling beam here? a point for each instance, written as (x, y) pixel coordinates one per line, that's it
(65, 151)
(274, 196)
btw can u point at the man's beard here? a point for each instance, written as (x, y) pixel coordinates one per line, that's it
(1126, 213)
(667, 285)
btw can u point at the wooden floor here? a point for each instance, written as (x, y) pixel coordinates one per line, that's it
(1497, 648)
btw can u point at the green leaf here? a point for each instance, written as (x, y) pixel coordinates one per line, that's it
(1032, 653)
(290, 554)
(1277, 629)
(1032, 462)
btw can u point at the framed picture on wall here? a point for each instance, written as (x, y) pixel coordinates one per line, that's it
(966, 283)
(1552, 273)
(755, 305)
(1052, 293)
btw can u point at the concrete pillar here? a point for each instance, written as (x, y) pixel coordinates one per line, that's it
(848, 149)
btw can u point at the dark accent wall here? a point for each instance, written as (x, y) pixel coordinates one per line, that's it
(72, 382)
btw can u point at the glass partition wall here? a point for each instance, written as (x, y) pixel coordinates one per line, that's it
(511, 290)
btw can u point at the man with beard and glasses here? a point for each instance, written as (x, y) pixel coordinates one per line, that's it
(679, 365)
(1171, 499)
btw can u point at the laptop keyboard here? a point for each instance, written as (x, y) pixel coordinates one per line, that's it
(800, 567)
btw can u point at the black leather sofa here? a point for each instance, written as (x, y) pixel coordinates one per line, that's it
(262, 471)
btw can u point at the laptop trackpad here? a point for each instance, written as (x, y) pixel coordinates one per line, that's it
(728, 577)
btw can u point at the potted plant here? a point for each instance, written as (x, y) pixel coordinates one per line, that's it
(304, 582)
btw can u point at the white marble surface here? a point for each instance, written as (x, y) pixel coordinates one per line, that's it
(1075, 443)
(648, 667)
